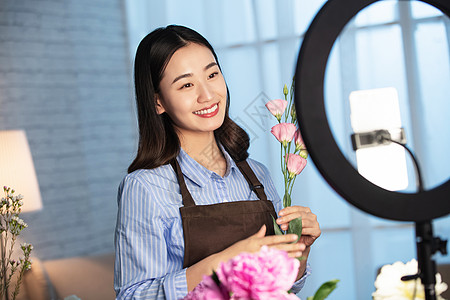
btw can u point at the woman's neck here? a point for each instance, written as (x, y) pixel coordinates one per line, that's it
(204, 150)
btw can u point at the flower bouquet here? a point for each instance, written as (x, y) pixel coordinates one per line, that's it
(390, 286)
(267, 274)
(10, 227)
(293, 159)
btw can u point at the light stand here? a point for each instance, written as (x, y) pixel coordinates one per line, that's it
(427, 244)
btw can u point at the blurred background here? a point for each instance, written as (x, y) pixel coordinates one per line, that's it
(66, 79)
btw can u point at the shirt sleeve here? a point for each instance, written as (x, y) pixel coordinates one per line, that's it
(298, 285)
(141, 262)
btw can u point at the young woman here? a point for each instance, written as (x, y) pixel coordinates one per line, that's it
(192, 197)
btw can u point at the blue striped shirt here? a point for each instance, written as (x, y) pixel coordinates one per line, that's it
(149, 234)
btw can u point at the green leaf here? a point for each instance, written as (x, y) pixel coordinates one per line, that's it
(325, 289)
(215, 278)
(300, 258)
(276, 227)
(287, 200)
(295, 226)
(310, 298)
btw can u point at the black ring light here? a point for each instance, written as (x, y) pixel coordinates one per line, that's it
(331, 163)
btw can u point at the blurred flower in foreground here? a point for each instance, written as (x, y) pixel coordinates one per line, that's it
(267, 274)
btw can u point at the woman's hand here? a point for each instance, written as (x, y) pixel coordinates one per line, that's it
(310, 226)
(194, 273)
(310, 229)
(256, 241)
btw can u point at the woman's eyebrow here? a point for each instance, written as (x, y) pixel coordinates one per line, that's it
(181, 77)
(208, 66)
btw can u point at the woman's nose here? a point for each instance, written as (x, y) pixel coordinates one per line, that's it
(205, 93)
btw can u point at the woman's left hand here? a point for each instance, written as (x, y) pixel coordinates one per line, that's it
(310, 226)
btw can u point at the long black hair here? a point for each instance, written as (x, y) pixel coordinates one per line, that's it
(158, 139)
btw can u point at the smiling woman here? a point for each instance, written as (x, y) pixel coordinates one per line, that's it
(192, 198)
(176, 80)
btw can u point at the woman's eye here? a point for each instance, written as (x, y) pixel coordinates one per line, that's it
(213, 75)
(186, 85)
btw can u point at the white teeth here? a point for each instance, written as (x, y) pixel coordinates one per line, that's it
(206, 111)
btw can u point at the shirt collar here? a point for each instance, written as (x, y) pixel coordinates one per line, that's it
(198, 173)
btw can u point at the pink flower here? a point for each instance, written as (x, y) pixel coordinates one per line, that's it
(298, 140)
(300, 145)
(207, 290)
(267, 274)
(284, 132)
(295, 164)
(287, 296)
(277, 107)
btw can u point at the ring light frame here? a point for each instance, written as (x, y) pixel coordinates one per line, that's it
(319, 140)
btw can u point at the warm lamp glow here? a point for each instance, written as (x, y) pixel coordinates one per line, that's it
(17, 169)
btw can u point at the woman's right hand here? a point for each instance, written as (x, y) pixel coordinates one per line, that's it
(255, 242)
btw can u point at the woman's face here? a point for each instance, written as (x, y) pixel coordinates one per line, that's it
(193, 91)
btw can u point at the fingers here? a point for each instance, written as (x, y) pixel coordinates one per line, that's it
(292, 209)
(293, 250)
(313, 232)
(310, 227)
(278, 239)
(261, 232)
(293, 212)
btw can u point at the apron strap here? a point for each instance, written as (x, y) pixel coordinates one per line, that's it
(186, 196)
(252, 180)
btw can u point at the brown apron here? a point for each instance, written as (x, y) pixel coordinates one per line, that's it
(209, 229)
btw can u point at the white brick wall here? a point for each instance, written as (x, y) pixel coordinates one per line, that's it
(65, 79)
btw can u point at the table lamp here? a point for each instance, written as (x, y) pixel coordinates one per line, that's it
(17, 169)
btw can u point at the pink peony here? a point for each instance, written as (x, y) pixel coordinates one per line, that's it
(268, 274)
(295, 164)
(284, 132)
(207, 290)
(277, 107)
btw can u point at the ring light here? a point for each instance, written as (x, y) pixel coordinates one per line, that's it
(331, 163)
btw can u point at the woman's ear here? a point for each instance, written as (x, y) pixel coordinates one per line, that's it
(159, 107)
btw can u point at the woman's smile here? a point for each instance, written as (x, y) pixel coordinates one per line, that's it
(208, 112)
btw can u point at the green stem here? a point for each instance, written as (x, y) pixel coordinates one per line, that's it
(13, 241)
(286, 112)
(292, 185)
(22, 271)
(3, 242)
(281, 158)
(286, 172)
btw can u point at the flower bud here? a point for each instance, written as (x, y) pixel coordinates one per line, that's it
(303, 153)
(293, 114)
(285, 90)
